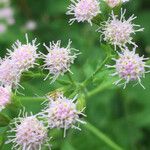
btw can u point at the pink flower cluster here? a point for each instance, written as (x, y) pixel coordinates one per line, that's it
(29, 133)
(5, 96)
(19, 60)
(83, 10)
(114, 3)
(130, 67)
(116, 31)
(62, 112)
(59, 59)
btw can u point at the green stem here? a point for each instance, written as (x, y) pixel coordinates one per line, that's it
(86, 82)
(99, 89)
(103, 137)
(70, 78)
(34, 75)
(32, 98)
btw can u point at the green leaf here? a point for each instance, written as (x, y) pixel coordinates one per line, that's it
(4, 120)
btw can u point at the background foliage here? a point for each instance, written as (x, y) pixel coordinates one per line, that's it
(123, 115)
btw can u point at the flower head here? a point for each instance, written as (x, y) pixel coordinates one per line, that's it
(118, 32)
(130, 67)
(5, 96)
(24, 55)
(114, 3)
(59, 59)
(83, 10)
(29, 133)
(62, 113)
(30, 25)
(9, 73)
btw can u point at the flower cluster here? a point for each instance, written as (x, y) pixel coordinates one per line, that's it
(29, 133)
(114, 3)
(24, 55)
(19, 60)
(118, 32)
(9, 73)
(130, 67)
(59, 59)
(62, 112)
(5, 96)
(83, 10)
(30, 25)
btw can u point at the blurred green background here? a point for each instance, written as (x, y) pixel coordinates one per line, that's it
(123, 115)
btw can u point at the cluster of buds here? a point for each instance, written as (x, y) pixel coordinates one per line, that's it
(31, 132)
(118, 32)
(28, 133)
(83, 10)
(6, 15)
(129, 67)
(59, 59)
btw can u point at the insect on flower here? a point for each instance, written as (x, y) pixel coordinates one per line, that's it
(62, 113)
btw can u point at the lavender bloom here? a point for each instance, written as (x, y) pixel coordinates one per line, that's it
(9, 73)
(24, 55)
(59, 59)
(5, 96)
(62, 112)
(83, 10)
(114, 3)
(129, 67)
(118, 32)
(29, 133)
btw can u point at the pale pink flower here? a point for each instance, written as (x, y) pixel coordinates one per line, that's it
(129, 67)
(83, 10)
(6, 13)
(9, 73)
(24, 55)
(118, 32)
(114, 3)
(62, 112)
(59, 59)
(28, 134)
(30, 25)
(5, 96)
